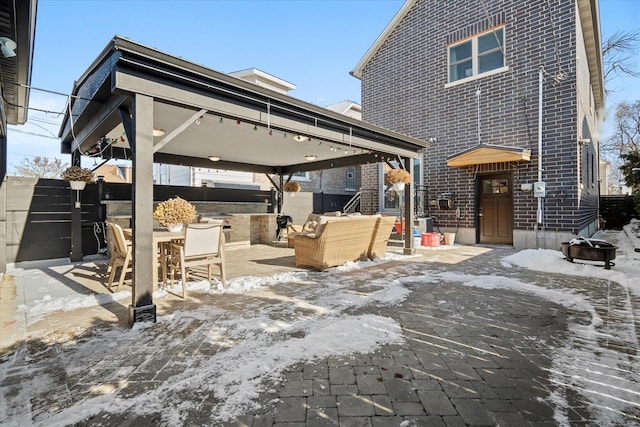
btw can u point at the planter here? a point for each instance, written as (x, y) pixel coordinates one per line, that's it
(77, 185)
(175, 228)
(398, 187)
(449, 238)
(430, 239)
(591, 250)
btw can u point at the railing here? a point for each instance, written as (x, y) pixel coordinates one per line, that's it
(421, 200)
(353, 205)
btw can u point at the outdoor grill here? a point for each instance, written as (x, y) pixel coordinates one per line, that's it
(282, 221)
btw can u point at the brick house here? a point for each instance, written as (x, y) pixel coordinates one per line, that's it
(480, 80)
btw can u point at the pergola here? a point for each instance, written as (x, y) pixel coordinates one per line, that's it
(138, 103)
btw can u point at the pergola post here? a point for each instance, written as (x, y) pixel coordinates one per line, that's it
(409, 247)
(139, 127)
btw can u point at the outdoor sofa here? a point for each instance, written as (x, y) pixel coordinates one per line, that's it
(341, 239)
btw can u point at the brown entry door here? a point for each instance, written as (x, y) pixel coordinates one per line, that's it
(496, 209)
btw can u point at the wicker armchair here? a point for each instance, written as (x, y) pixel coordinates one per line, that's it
(337, 241)
(380, 237)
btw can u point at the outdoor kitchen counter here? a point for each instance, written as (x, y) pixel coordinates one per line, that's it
(242, 229)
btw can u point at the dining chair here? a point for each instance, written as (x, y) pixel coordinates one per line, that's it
(121, 253)
(203, 245)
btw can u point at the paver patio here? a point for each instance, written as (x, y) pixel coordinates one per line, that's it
(452, 352)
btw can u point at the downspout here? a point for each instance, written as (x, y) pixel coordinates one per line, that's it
(539, 216)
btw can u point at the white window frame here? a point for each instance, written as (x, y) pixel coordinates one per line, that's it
(474, 58)
(417, 163)
(305, 178)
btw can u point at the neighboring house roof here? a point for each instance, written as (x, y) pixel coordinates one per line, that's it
(348, 108)
(263, 79)
(589, 21)
(17, 23)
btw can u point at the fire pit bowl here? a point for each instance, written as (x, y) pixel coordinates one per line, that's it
(591, 250)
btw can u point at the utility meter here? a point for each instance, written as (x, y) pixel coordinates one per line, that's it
(539, 189)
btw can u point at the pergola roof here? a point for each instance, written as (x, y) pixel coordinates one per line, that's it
(204, 112)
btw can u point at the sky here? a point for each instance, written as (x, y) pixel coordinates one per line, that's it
(328, 316)
(312, 44)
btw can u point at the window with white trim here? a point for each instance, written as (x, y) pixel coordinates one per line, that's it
(301, 176)
(476, 56)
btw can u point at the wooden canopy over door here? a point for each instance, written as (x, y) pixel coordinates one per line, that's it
(495, 222)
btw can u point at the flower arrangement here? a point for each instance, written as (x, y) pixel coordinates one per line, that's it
(291, 187)
(396, 176)
(174, 211)
(77, 173)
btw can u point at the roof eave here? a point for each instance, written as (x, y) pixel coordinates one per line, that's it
(399, 16)
(590, 23)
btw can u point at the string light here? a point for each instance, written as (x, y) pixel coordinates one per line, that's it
(221, 121)
(255, 128)
(238, 122)
(270, 132)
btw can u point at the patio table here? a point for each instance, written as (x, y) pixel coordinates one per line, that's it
(160, 235)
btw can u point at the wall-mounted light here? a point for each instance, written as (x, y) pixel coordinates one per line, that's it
(158, 132)
(310, 157)
(584, 141)
(215, 158)
(433, 140)
(8, 46)
(298, 138)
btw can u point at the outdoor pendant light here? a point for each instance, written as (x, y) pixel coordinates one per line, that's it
(8, 46)
(215, 158)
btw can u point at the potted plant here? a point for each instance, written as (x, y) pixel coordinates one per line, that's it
(397, 178)
(77, 176)
(174, 213)
(291, 187)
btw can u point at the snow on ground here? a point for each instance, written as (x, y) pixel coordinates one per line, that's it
(263, 340)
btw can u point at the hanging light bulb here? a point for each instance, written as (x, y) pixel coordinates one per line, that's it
(255, 128)
(221, 121)
(270, 132)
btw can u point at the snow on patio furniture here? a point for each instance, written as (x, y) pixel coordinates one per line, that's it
(380, 237)
(337, 240)
(590, 250)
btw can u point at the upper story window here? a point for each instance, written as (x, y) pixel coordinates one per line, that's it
(477, 55)
(301, 176)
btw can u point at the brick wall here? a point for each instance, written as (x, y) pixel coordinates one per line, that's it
(404, 89)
